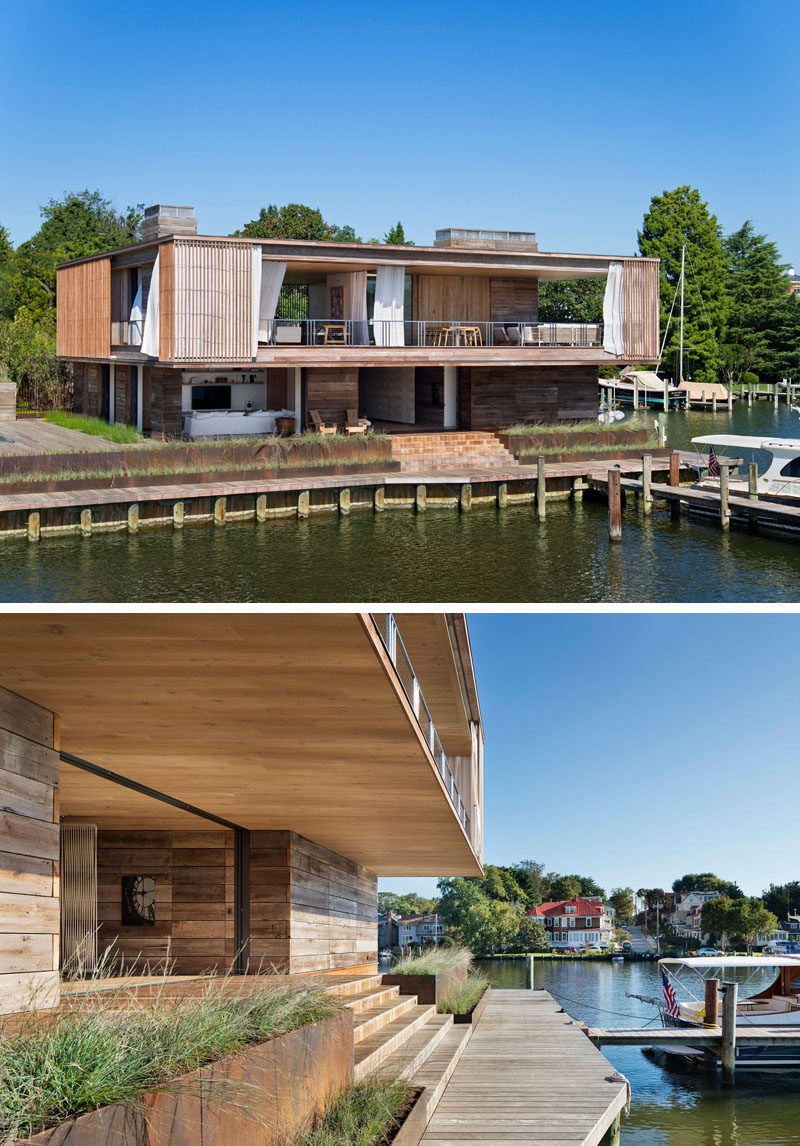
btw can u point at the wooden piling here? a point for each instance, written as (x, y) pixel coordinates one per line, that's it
(614, 506)
(421, 501)
(729, 999)
(724, 487)
(178, 515)
(541, 489)
(302, 503)
(86, 523)
(344, 502)
(647, 477)
(711, 1018)
(730, 397)
(133, 518)
(465, 501)
(714, 402)
(752, 481)
(502, 495)
(675, 481)
(219, 511)
(34, 526)
(261, 508)
(666, 396)
(578, 486)
(379, 500)
(662, 429)
(529, 973)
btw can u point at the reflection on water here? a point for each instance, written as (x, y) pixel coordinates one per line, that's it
(485, 555)
(669, 1107)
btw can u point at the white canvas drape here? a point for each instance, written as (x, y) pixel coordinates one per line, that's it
(272, 275)
(388, 313)
(135, 320)
(150, 334)
(358, 307)
(614, 310)
(255, 296)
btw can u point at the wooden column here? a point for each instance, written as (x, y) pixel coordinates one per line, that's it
(541, 489)
(647, 477)
(729, 1000)
(712, 1002)
(752, 481)
(675, 481)
(614, 506)
(724, 512)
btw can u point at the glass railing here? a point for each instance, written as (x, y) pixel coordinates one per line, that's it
(393, 642)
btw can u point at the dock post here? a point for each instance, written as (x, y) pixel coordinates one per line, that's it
(578, 486)
(502, 495)
(729, 998)
(34, 527)
(612, 1135)
(714, 402)
(724, 511)
(647, 477)
(133, 518)
(730, 397)
(465, 501)
(261, 508)
(420, 500)
(380, 498)
(614, 506)
(219, 511)
(86, 523)
(666, 396)
(541, 489)
(529, 972)
(302, 503)
(752, 481)
(662, 429)
(178, 514)
(635, 394)
(344, 502)
(675, 481)
(749, 395)
(711, 1018)
(775, 395)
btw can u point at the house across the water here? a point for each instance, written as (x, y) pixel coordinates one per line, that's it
(219, 335)
(211, 792)
(576, 922)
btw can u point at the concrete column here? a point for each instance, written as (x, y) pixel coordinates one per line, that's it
(450, 397)
(29, 856)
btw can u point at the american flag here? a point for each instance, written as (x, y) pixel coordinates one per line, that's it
(713, 464)
(670, 1002)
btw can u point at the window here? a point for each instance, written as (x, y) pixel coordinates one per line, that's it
(570, 910)
(572, 922)
(792, 468)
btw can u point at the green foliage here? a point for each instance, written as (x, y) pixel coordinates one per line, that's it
(296, 221)
(365, 1115)
(6, 246)
(435, 961)
(676, 218)
(707, 881)
(95, 427)
(739, 920)
(463, 998)
(531, 936)
(396, 236)
(782, 898)
(750, 379)
(621, 899)
(109, 1054)
(757, 298)
(571, 300)
(483, 923)
(408, 904)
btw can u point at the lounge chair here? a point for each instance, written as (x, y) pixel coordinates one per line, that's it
(354, 424)
(317, 424)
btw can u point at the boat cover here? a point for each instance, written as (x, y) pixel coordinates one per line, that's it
(745, 442)
(736, 961)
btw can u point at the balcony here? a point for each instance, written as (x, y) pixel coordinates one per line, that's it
(512, 333)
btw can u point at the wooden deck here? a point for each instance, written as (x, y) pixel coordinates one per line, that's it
(528, 1075)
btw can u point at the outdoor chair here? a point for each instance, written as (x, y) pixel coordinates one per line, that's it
(354, 424)
(318, 426)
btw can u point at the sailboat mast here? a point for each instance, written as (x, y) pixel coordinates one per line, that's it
(683, 278)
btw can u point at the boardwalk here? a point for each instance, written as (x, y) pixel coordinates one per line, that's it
(528, 1076)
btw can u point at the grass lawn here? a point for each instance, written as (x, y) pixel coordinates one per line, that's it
(96, 427)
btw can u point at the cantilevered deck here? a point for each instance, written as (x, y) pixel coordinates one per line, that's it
(528, 1075)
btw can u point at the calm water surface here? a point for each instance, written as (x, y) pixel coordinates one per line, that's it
(487, 555)
(669, 1107)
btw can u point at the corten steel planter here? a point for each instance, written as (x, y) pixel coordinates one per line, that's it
(474, 1015)
(427, 988)
(415, 1123)
(606, 455)
(555, 441)
(264, 1095)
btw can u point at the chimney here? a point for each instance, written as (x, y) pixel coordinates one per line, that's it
(161, 220)
(481, 240)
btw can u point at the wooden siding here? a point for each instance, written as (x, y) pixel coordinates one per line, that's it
(164, 402)
(514, 298)
(83, 310)
(429, 396)
(449, 297)
(387, 393)
(332, 393)
(493, 399)
(29, 850)
(193, 872)
(206, 301)
(122, 393)
(642, 320)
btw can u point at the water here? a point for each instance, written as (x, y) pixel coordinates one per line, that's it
(440, 556)
(669, 1107)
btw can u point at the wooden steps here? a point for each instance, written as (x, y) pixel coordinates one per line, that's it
(470, 449)
(365, 1000)
(413, 1054)
(375, 1018)
(435, 1072)
(375, 1048)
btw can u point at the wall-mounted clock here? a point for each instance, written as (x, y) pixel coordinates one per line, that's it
(138, 901)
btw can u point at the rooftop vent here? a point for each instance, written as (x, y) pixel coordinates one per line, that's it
(486, 240)
(161, 220)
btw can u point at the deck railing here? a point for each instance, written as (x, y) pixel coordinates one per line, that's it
(512, 332)
(122, 331)
(393, 642)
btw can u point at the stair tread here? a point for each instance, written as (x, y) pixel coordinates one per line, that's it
(380, 1017)
(385, 994)
(434, 1066)
(375, 1041)
(406, 1059)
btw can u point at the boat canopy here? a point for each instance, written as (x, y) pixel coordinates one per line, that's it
(645, 379)
(734, 961)
(744, 442)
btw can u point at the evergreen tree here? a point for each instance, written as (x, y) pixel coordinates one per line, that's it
(296, 221)
(675, 219)
(396, 236)
(757, 296)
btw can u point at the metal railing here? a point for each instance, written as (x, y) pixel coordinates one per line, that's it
(428, 332)
(393, 642)
(121, 333)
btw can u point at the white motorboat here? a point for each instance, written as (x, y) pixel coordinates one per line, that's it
(779, 479)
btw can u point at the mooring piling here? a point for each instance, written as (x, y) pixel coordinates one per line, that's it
(614, 506)
(541, 489)
(730, 992)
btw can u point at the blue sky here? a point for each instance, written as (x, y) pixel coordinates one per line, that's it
(637, 747)
(563, 119)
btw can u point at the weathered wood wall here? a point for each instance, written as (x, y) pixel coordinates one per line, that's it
(122, 393)
(429, 395)
(193, 872)
(386, 393)
(449, 297)
(83, 310)
(642, 317)
(494, 398)
(331, 391)
(514, 298)
(164, 402)
(29, 856)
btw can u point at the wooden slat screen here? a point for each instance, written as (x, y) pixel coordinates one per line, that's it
(79, 897)
(448, 298)
(83, 310)
(641, 290)
(206, 301)
(514, 298)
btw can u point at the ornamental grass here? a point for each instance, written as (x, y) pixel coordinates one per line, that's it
(365, 1115)
(435, 961)
(463, 997)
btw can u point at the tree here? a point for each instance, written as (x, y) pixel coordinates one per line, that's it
(531, 936)
(565, 887)
(295, 221)
(707, 881)
(715, 918)
(748, 918)
(621, 899)
(757, 294)
(396, 236)
(408, 904)
(6, 247)
(675, 219)
(590, 888)
(575, 300)
(531, 878)
(782, 899)
(483, 924)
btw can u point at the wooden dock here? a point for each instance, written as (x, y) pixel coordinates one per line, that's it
(529, 1076)
(691, 1036)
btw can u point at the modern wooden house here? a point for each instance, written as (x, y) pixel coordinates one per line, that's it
(431, 338)
(205, 792)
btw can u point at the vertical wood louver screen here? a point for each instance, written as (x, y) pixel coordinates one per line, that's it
(83, 310)
(641, 292)
(78, 898)
(207, 301)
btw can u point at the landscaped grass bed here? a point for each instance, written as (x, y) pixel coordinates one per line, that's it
(463, 997)
(436, 961)
(365, 1115)
(118, 432)
(108, 1054)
